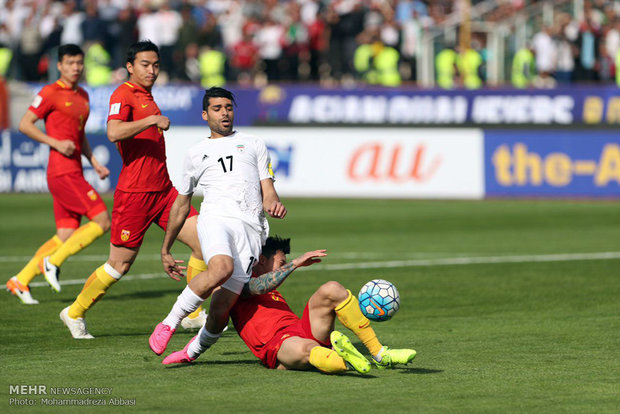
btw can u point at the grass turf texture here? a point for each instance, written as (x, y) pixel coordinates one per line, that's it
(517, 337)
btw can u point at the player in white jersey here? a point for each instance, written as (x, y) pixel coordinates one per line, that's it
(233, 170)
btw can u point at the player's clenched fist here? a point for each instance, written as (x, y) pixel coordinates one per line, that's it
(65, 147)
(162, 122)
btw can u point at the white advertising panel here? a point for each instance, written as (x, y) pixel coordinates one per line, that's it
(361, 162)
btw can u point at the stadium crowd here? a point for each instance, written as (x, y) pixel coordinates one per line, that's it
(253, 41)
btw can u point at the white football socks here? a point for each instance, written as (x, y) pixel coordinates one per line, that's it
(186, 303)
(203, 341)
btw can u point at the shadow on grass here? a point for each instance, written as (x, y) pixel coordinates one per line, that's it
(200, 363)
(419, 371)
(143, 294)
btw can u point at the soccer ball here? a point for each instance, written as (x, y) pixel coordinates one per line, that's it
(379, 300)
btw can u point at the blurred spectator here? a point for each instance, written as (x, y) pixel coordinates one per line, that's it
(318, 39)
(243, 60)
(295, 45)
(346, 20)
(92, 26)
(191, 64)
(127, 35)
(588, 45)
(566, 50)
(469, 62)
(186, 36)
(71, 22)
(97, 65)
(523, 68)
(209, 33)
(269, 40)
(545, 54)
(612, 38)
(375, 62)
(30, 47)
(605, 67)
(446, 68)
(148, 24)
(212, 65)
(411, 40)
(169, 23)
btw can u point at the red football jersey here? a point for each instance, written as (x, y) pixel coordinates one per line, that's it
(144, 155)
(258, 318)
(65, 112)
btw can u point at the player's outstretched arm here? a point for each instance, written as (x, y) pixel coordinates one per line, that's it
(101, 170)
(178, 213)
(119, 130)
(269, 281)
(271, 201)
(27, 126)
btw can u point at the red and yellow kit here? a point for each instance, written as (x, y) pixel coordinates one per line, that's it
(65, 111)
(144, 193)
(144, 156)
(265, 321)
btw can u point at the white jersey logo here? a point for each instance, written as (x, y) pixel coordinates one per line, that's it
(37, 101)
(115, 108)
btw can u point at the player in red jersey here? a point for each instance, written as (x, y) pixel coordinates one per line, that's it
(282, 340)
(144, 194)
(64, 107)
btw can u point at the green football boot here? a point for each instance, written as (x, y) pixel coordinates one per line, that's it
(391, 357)
(343, 347)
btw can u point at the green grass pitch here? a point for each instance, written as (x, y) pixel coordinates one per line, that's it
(511, 305)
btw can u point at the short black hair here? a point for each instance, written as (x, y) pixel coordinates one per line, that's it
(216, 92)
(275, 244)
(141, 46)
(69, 50)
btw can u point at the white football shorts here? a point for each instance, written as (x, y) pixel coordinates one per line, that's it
(231, 237)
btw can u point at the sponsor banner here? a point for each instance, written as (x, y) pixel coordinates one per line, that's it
(552, 163)
(23, 164)
(439, 107)
(361, 162)
(402, 106)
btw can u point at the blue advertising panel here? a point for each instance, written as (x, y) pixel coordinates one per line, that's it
(372, 106)
(561, 106)
(23, 163)
(552, 163)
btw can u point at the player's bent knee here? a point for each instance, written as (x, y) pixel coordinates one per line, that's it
(220, 267)
(120, 267)
(333, 291)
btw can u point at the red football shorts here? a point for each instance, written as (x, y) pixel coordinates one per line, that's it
(133, 214)
(73, 198)
(301, 328)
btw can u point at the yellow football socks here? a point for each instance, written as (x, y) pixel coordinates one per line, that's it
(350, 315)
(195, 266)
(29, 271)
(80, 238)
(95, 287)
(326, 360)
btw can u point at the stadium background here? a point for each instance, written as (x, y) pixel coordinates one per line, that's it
(511, 304)
(366, 133)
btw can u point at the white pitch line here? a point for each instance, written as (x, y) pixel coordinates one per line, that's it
(156, 257)
(142, 276)
(562, 257)
(473, 260)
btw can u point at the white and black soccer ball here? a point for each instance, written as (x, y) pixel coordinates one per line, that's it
(379, 300)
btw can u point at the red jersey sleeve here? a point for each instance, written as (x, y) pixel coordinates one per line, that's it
(120, 106)
(43, 103)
